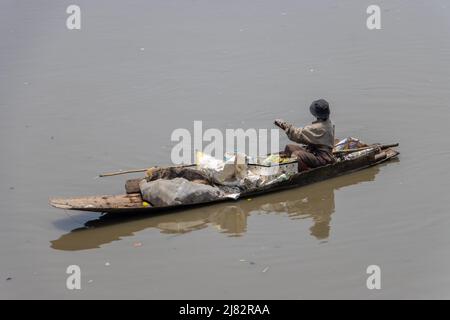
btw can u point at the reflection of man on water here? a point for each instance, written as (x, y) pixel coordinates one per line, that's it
(317, 204)
(315, 201)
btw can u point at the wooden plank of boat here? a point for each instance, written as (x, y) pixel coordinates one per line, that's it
(100, 203)
(133, 202)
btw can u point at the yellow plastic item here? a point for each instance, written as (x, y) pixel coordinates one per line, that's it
(150, 172)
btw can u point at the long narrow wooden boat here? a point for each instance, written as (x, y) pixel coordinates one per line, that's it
(133, 202)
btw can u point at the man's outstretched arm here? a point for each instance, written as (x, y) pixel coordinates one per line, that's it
(293, 133)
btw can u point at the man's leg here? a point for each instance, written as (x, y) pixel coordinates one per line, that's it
(306, 160)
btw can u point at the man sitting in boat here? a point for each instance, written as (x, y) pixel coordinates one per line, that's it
(317, 138)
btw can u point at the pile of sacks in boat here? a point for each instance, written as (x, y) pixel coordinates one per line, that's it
(210, 179)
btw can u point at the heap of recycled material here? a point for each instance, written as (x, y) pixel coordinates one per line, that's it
(212, 179)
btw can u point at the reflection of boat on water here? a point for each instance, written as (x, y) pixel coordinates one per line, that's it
(315, 201)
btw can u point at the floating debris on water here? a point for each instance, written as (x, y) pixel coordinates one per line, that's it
(107, 264)
(8, 279)
(137, 244)
(265, 269)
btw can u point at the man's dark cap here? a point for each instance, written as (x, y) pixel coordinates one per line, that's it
(320, 109)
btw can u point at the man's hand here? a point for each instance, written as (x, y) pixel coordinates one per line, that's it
(281, 124)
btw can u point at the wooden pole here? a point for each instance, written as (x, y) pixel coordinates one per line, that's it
(110, 174)
(382, 147)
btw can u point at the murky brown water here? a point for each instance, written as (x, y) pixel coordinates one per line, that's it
(107, 97)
